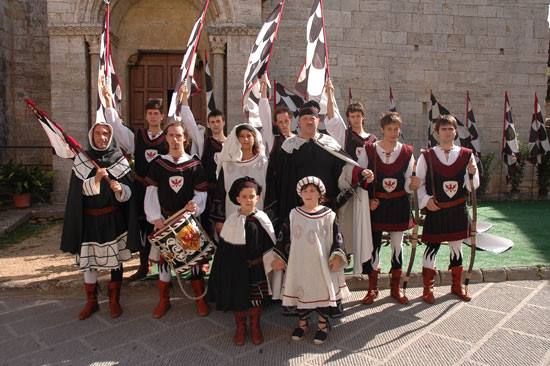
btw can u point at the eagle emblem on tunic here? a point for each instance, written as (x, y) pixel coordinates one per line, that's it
(150, 154)
(176, 182)
(389, 184)
(450, 187)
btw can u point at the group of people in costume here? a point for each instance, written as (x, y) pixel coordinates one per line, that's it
(286, 208)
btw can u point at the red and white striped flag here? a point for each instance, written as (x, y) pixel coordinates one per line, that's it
(538, 139)
(510, 147)
(63, 145)
(258, 64)
(391, 106)
(188, 63)
(106, 74)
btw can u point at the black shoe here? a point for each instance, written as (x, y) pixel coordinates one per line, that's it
(140, 274)
(322, 333)
(300, 331)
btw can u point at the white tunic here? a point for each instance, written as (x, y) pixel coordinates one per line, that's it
(309, 283)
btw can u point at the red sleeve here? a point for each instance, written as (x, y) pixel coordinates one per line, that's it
(356, 175)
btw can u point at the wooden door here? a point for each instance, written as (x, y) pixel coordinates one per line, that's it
(154, 76)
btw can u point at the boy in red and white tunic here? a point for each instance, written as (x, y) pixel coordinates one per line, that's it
(442, 174)
(392, 163)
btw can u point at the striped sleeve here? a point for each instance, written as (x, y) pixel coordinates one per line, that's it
(90, 188)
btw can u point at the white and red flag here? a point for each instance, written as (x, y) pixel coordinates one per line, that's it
(106, 74)
(188, 63)
(538, 139)
(63, 145)
(391, 106)
(258, 64)
(510, 147)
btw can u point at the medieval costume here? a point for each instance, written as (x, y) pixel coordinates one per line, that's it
(172, 183)
(314, 239)
(444, 177)
(230, 167)
(98, 226)
(392, 173)
(238, 281)
(145, 147)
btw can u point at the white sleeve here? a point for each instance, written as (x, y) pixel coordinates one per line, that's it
(151, 204)
(476, 175)
(192, 129)
(336, 127)
(200, 199)
(90, 188)
(408, 174)
(122, 134)
(421, 170)
(125, 194)
(267, 125)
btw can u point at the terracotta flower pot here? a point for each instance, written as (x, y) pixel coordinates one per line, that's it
(22, 200)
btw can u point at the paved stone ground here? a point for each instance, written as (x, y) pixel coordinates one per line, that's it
(505, 323)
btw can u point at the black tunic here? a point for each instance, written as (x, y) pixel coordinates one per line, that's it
(237, 270)
(354, 141)
(211, 147)
(176, 183)
(393, 212)
(446, 224)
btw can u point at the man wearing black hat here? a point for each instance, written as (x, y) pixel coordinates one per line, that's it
(311, 153)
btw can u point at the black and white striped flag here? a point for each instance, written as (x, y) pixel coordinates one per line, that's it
(510, 147)
(538, 139)
(106, 74)
(258, 63)
(315, 71)
(392, 107)
(188, 63)
(285, 97)
(210, 103)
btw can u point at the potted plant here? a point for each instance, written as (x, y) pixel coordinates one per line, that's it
(20, 181)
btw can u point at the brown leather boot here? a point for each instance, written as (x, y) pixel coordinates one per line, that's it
(240, 333)
(395, 291)
(428, 275)
(456, 287)
(198, 289)
(255, 330)
(114, 299)
(373, 288)
(91, 301)
(164, 299)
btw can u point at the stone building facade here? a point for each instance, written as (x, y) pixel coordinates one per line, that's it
(49, 51)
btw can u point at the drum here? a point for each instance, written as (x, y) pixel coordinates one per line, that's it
(183, 242)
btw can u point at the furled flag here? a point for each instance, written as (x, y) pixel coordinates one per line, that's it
(538, 139)
(106, 74)
(188, 64)
(510, 147)
(315, 71)
(285, 97)
(258, 63)
(392, 107)
(350, 97)
(471, 137)
(210, 103)
(63, 145)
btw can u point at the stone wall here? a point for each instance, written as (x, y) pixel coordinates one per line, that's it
(24, 66)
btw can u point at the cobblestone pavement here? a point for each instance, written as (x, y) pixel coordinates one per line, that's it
(505, 323)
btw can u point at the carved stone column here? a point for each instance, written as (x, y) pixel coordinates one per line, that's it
(93, 52)
(217, 50)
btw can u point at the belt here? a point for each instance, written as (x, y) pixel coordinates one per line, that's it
(141, 180)
(450, 204)
(386, 195)
(254, 262)
(99, 211)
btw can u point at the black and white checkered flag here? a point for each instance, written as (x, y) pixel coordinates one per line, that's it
(258, 63)
(315, 71)
(510, 147)
(285, 97)
(210, 103)
(391, 106)
(106, 74)
(473, 141)
(188, 64)
(538, 139)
